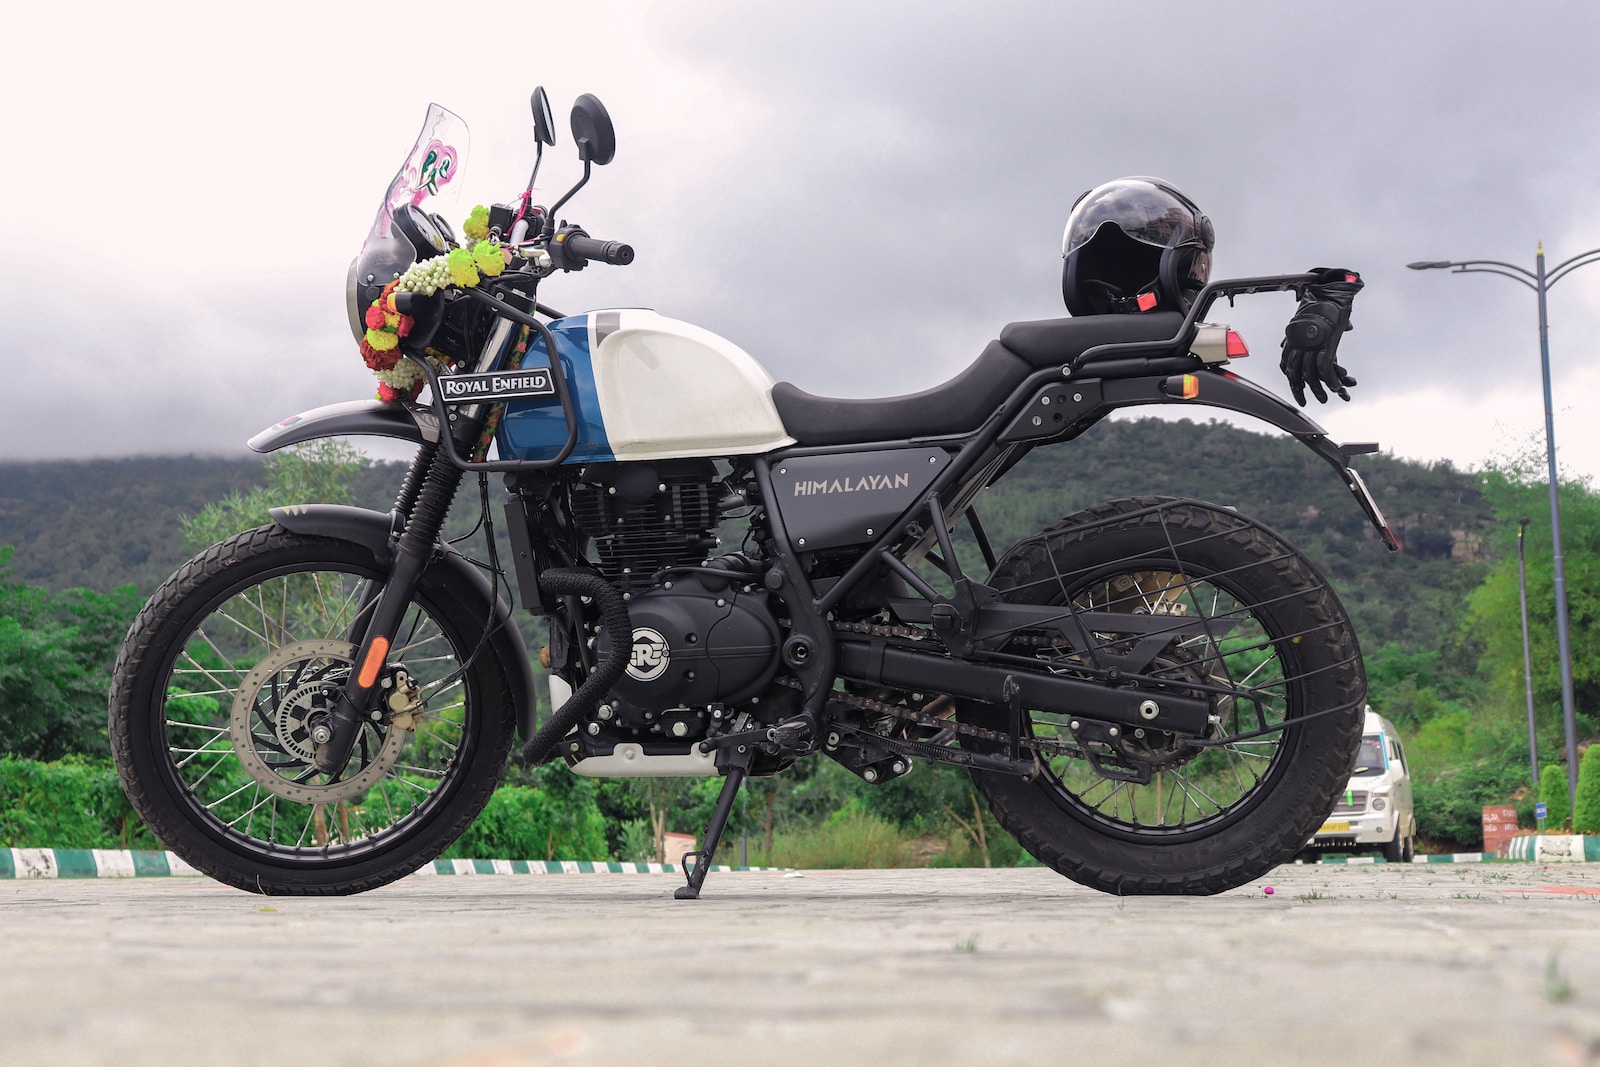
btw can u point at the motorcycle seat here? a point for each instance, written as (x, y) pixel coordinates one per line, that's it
(961, 404)
(957, 406)
(1053, 342)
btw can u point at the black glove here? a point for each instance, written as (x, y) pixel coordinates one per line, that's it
(1311, 341)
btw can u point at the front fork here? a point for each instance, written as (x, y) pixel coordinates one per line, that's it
(431, 484)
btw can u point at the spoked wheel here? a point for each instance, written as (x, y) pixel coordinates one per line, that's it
(231, 665)
(1255, 631)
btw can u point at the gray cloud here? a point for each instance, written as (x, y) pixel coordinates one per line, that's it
(861, 195)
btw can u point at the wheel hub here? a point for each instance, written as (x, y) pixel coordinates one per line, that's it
(271, 729)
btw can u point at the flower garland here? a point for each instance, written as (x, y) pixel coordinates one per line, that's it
(399, 376)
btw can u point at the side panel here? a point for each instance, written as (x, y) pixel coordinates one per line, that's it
(850, 498)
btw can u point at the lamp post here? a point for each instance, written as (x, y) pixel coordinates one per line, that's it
(1540, 282)
(1527, 655)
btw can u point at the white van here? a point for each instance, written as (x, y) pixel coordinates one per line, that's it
(1376, 812)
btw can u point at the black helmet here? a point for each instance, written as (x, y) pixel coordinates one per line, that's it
(1134, 244)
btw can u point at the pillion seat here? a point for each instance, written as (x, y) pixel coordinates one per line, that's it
(961, 404)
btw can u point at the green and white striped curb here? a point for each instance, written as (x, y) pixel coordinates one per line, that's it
(563, 867)
(89, 863)
(114, 863)
(1555, 848)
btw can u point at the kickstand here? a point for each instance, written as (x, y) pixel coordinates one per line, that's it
(736, 770)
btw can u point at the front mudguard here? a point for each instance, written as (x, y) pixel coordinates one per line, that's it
(353, 418)
(372, 530)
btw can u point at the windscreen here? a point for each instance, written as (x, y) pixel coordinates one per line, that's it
(1370, 759)
(430, 176)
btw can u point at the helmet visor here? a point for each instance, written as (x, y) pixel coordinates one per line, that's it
(1150, 212)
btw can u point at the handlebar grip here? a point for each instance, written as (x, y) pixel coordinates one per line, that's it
(582, 246)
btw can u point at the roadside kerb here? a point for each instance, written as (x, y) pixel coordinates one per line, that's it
(115, 863)
(1555, 848)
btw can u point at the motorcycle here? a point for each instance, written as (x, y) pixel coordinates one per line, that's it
(1153, 695)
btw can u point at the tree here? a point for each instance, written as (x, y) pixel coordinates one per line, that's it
(1514, 492)
(56, 653)
(1553, 792)
(1586, 812)
(315, 472)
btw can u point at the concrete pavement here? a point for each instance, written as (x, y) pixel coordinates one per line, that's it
(1464, 964)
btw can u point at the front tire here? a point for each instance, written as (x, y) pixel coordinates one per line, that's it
(1276, 650)
(218, 680)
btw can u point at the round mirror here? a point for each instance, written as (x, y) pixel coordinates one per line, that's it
(544, 123)
(592, 130)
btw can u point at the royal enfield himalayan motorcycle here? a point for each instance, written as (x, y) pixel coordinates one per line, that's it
(1153, 695)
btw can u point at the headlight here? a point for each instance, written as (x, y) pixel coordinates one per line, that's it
(1378, 803)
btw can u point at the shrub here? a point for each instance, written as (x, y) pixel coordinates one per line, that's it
(524, 823)
(72, 803)
(1553, 791)
(852, 837)
(1450, 807)
(1586, 812)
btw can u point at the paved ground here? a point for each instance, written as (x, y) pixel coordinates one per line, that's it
(1467, 964)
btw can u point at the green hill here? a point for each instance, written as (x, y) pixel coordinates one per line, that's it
(103, 523)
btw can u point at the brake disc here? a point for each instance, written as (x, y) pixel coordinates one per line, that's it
(271, 732)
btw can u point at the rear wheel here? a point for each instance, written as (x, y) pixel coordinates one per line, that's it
(224, 673)
(1258, 633)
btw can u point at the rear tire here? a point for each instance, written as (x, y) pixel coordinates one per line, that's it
(222, 671)
(1286, 651)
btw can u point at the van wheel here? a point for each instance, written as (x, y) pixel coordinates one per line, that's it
(1397, 851)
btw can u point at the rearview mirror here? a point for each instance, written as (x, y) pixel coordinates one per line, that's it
(592, 130)
(544, 124)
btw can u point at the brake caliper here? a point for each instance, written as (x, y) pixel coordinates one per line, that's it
(404, 700)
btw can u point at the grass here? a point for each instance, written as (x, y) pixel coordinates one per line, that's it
(1557, 986)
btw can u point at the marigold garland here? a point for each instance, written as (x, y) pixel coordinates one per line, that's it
(400, 377)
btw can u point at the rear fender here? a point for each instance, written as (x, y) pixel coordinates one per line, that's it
(372, 530)
(1065, 409)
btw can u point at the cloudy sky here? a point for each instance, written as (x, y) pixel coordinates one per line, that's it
(858, 193)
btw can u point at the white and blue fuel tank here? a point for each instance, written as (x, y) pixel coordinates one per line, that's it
(645, 387)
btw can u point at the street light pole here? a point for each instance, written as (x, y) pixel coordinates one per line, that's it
(1540, 282)
(1527, 656)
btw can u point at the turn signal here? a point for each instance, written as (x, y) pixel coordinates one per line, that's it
(1182, 386)
(1237, 349)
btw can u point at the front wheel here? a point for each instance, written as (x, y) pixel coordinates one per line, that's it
(1257, 633)
(227, 668)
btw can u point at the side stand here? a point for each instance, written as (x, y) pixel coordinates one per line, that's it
(736, 770)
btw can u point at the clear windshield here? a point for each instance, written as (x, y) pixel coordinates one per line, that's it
(430, 176)
(1370, 760)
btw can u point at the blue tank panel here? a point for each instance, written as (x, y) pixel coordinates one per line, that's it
(536, 429)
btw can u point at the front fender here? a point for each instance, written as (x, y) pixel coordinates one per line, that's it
(371, 529)
(353, 418)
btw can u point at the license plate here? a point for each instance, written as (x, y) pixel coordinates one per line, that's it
(1334, 828)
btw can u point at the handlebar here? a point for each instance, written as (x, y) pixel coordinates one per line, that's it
(580, 246)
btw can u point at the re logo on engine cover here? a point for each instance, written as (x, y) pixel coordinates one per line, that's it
(651, 654)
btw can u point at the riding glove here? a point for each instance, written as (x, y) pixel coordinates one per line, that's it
(1311, 341)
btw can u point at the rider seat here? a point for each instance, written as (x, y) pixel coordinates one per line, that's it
(961, 404)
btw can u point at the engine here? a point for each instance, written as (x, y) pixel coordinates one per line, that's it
(701, 637)
(643, 517)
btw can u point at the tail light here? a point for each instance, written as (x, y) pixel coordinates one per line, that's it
(1215, 342)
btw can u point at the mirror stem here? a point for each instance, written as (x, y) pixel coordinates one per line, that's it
(550, 218)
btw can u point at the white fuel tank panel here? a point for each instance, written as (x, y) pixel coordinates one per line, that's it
(670, 389)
